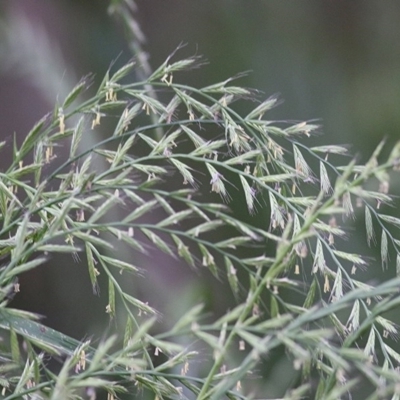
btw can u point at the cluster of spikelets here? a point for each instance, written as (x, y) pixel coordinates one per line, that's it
(186, 154)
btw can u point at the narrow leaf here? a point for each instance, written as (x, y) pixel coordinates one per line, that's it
(105, 207)
(369, 226)
(249, 193)
(183, 250)
(175, 218)
(75, 92)
(110, 309)
(139, 211)
(161, 244)
(25, 267)
(93, 272)
(15, 352)
(384, 250)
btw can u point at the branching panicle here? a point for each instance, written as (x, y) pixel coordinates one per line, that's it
(153, 191)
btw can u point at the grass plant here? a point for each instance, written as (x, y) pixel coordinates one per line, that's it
(170, 145)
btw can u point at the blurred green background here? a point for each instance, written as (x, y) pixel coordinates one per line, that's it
(337, 62)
